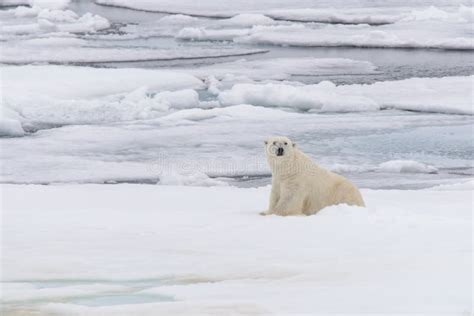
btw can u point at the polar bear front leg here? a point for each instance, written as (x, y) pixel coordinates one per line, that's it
(290, 203)
(274, 198)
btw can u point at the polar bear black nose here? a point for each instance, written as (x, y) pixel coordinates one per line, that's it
(280, 151)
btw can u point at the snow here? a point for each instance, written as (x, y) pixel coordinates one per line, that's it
(465, 186)
(90, 95)
(58, 42)
(10, 127)
(39, 20)
(406, 166)
(442, 95)
(334, 17)
(93, 95)
(188, 179)
(180, 250)
(242, 70)
(430, 27)
(22, 11)
(182, 99)
(248, 19)
(303, 10)
(154, 178)
(145, 117)
(58, 15)
(200, 34)
(222, 9)
(242, 111)
(51, 4)
(391, 166)
(139, 104)
(21, 54)
(359, 36)
(26, 291)
(81, 135)
(135, 152)
(88, 82)
(6, 3)
(168, 25)
(445, 25)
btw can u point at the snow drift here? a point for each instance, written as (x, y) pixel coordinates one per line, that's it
(443, 95)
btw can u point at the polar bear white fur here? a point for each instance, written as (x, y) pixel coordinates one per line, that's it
(299, 186)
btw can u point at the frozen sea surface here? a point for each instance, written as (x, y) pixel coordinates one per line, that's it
(133, 171)
(188, 96)
(149, 131)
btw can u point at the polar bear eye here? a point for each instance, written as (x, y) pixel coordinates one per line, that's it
(286, 143)
(274, 143)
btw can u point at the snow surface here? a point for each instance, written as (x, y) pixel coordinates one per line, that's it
(443, 95)
(42, 34)
(44, 51)
(40, 94)
(144, 150)
(407, 166)
(349, 16)
(56, 4)
(302, 10)
(51, 4)
(244, 70)
(6, 3)
(144, 119)
(430, 27)
(401, 24)
(177, 250)
(221, 77)
(39, 20)
(467, 186)
(10, 127)
(87, 82)
(89, 95)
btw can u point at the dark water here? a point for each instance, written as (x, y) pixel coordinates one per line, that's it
(392, 64)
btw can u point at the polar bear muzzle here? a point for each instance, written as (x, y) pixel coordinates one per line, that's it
(278, 147)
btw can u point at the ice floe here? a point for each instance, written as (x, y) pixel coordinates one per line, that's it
(376, 12)
(279, 69)
(37, 20)
(464, 186)
(90, 95)
(33, 51)
(427, 36)
(424, 28)
(444, 95)
(406, 166)
(87, 82)
(188, 179)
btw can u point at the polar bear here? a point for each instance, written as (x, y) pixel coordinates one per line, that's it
(299, 186)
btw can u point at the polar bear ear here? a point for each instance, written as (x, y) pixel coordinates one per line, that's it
(265, 142)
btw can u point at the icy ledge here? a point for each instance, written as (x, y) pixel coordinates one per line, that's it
(452, 95)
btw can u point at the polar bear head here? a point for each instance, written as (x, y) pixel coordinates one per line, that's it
(279, 149)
